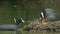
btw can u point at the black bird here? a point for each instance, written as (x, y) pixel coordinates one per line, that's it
(19, 20)
(11, 27)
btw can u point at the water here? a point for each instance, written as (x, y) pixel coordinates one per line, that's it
(7, 32)
(30, 32)
(41, 32)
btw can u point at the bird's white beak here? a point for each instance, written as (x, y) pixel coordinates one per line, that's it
(22, 20)
(42, 14)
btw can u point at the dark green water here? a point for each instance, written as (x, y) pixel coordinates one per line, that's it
(41, 32)
(31, 32)
(27, 9)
